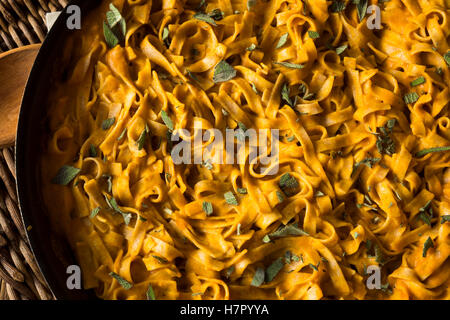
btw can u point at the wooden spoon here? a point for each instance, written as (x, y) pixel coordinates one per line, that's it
(15, 67)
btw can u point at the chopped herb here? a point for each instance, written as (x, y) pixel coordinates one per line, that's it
(207, 164)
(251, 47)
(337, 6)
(204, 17)
(216, 14)
(94, 212)
(197, 294)
(313, 34)
(266, 239)
(92, 151)
(122, 134)
(385, 144)
(242, 190)
(285, 91)
(288, 184)
(369, 162)
(411, 97)
(282, 41)
(112, 203)
(287, 231)
(290, 139)
(313, 266)
(230, 198)
(423, 153)
(445, 218)
(230, 271)
(258, 278)
(142, 218)
(361, 7)
(254, 88)
(114, 29)
(427, 245)
(319, 194)
(161, 259)
(143, 138)
(418, 81)
(106, 124)
(223, 72)
(108, 181)
(165, 36)
(207, 208)
(447, 58)
(110, 38)
(65, 175)
(167, 121)
(290, 65)
(280, 196)
(274, 269)
(238, 229)
(124, 283)
(150, 293)
(341, 49)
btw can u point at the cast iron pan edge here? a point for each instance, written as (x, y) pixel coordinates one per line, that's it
(30, 134)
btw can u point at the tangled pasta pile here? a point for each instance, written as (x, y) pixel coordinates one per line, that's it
(363, 179)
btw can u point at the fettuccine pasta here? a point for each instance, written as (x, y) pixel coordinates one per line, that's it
(363, 181)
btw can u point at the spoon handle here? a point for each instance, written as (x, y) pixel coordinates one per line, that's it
(15, 67)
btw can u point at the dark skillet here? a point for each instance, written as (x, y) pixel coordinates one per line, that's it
(52, 253)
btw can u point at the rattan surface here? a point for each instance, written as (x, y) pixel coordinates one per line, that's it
(22, 22)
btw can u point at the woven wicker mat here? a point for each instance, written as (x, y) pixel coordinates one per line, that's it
(22, 22)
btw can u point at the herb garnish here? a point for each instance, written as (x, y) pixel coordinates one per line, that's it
(207, 208)
(285, 92)
(313, 34)
(112, 203)
(65, 175)
(426, 213)
(115, 27)
(280, 196)
(290, 65)
(361, 7)
(427, 245)
(251, 47)
(288, 184)
(124, 283)
(285, 231)
(242, 190)
(445, 218)
(341, 49)
(122, 134)
(107, 123)
(94, 212)
(230, 198)
(447, 58)
(167, 121)
(337, 6)
(258, 278)
(422, 153)
(385, 144)
(143, 137)
(204, 17)
(418, 81)
(411, 97)
(92, 151)
(274, 269)
(150, 293)
(223, 72)
(282, 41)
